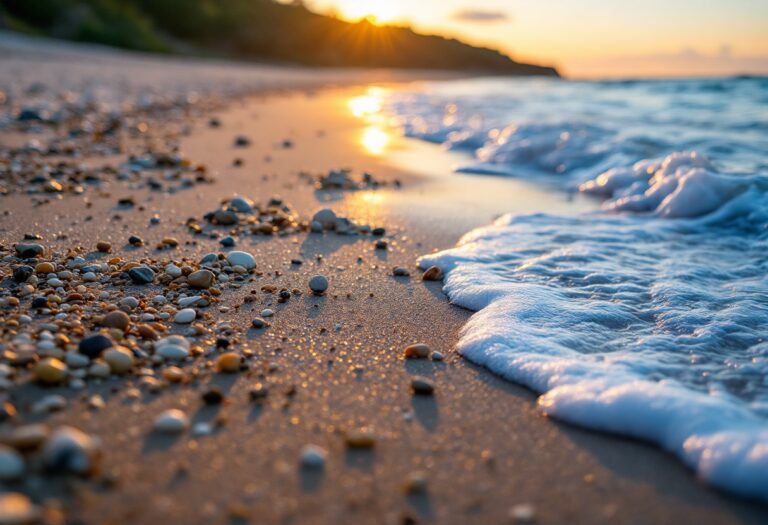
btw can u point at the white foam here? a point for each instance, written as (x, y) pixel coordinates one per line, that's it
(637, 324)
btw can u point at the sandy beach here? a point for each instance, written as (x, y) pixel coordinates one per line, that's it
(334, 363)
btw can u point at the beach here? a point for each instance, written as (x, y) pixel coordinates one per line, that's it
(479, 448)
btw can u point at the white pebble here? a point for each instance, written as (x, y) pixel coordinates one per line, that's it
(313, 456)
(185, 316)
(244, 259)
(171, 421)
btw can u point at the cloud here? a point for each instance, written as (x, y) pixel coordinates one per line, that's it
(483, 16)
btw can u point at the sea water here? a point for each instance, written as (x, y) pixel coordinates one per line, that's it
(649, 317)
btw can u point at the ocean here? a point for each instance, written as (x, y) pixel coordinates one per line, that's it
(648, 317)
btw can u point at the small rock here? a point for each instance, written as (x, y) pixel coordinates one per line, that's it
(119, 359)
(17, 509)
(141, 275)
(267, 312)
(523, 513)
(241, 204)
(201, 279)
(172, 421)
(433, 273)
(258, 392)
(363, 439)
(416, 483)
(212, 396)
(29, 250)
(94, 345)
(103, 247)
(437, 356)
(244, 259)
(22, 273)
(326, 218)
(416, 351)
(116, 319)
(313, 457)
(44, 267)
(318, 284)
(50, 371)
(11, 464)
(259, 323)
(422, 386)
(399, 271)
(185, 316)
(135, 240)
(71, 451)
(228, 362)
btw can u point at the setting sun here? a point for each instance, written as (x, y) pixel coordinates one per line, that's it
(377, 11)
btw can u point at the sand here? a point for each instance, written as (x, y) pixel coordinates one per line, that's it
(481, 442)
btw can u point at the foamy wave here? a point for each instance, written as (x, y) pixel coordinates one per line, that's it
(634, 323)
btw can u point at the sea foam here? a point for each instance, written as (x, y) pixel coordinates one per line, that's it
(646, 319)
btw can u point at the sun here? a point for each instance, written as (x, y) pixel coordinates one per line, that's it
(377, 11)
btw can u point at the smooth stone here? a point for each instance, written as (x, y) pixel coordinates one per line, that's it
(227, 242)
(11, 464)
(318, 284)
(259, 323)
(185, 316)
(116, 319)
(184, 302)
(416, 351)
(173, 270)
(172, 352)
(178, 340)
(119, 359)
(326, 217)
(422, 386)
(17, 509)
(94, 345)
(22, 273)
(433, 273)
(29, 250)
(241, 204)
(209, 259)
(244, 259)
(313, 456)
(172, 421)
(71, 451)
(76, 360)
(267, 312)
(129, 302)
(201, 279)
(141, 275)
(50, 371)
(399, 271)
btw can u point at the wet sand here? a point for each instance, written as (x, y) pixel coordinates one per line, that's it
(480, 441)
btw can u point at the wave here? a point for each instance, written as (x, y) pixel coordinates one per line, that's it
(645, 319)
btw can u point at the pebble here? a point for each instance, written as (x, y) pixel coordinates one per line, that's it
(71, 451)
(416, 351)
(185, 316)
(173, 270)
(523, 513)
(141, 275)
(94, 345)
(399, 271)
(363, 439)
(228, 362)
(313, 457)
(11, 464)
(212, 396)
(201, 429)
(326, 218)
(103, 247)
(44, 267)
(29, 250)
(172, 421)
(244, 259)
(258, 392)
(381, 244)
(437, 356)
(433, 273)
(201, 279)
(129, 302)
(422, 386)
(318, 284)
(259, 323)
(185, 302)
(17, 509)
(267, 312)
(50, 371)
(22, 273)
(241, 204)
(172, 352)
(116, 319)
(135, 240)
(119, 359)
(228, 241)
(416, 483)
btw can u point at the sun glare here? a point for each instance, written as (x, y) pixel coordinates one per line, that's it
(377, 11)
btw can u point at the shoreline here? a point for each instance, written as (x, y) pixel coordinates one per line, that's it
(484, 446)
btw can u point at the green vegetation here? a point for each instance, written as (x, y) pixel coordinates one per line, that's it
(251, 29)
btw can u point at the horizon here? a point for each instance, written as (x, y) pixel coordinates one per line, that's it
(720, 41)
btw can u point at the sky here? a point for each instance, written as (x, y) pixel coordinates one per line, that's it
(592, 38)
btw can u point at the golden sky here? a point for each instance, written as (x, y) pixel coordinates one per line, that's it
(592, 38)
